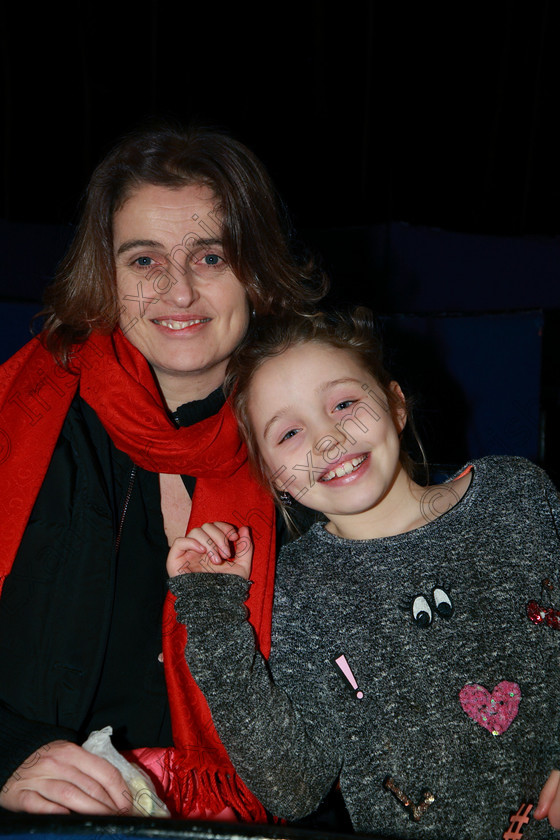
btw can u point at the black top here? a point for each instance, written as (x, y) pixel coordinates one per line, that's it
(80, 622)
(80, 619)
(132, 695)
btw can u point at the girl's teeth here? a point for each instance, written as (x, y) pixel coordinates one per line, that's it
(344, 469)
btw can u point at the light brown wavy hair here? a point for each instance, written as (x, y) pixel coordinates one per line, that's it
(255, 230)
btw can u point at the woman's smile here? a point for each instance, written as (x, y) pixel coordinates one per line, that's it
(179, 323)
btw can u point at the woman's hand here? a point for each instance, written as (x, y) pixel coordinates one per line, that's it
(214, 547)
(549, 800)
(63, 778)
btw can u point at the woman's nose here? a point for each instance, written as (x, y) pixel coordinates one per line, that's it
(181, 287)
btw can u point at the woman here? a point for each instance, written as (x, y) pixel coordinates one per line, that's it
(118, 439)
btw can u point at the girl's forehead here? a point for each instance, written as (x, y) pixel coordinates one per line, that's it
(306, 355)
(307, 365)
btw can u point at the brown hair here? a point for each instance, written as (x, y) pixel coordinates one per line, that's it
(353, 331)
(255, 233)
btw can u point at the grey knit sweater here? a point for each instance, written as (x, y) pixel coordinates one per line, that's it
(456, 689)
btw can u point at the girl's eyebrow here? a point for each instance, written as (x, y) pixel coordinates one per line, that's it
(343, 381)
(277, 416)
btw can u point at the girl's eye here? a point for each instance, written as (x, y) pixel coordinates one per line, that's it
(288, 435)
(344, 404)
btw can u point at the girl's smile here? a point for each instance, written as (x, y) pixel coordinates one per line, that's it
(344, 469)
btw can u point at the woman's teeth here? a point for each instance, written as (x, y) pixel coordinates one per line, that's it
(344, 469)
(179, 325)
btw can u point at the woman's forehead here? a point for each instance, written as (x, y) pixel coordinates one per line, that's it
(188, 211)
(146, 195)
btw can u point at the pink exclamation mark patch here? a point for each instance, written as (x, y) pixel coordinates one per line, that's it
(347, 671)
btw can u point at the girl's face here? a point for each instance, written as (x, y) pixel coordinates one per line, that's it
(327, 435)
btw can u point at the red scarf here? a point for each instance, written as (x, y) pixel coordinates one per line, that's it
(115, 380)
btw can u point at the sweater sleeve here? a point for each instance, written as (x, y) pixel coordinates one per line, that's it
(552, 500)
(286, 755)
(552, 495)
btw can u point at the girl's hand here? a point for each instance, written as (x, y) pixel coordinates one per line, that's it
(214, 547)
(549, 800)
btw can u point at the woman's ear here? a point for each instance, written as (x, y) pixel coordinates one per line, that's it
(399, 406)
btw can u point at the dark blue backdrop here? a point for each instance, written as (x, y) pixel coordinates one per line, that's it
(469, 321)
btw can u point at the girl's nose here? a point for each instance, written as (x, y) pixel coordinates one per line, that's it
(330, 443)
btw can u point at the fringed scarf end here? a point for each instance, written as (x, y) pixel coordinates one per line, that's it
(191, 793)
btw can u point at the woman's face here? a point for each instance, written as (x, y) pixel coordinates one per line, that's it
(181, 304)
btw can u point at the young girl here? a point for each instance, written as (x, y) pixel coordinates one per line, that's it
(416, 634)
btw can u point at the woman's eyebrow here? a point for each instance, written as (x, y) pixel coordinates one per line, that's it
(200, 242)
(195, 242)
(129, 244)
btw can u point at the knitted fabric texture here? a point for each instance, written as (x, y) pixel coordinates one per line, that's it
(411, 658)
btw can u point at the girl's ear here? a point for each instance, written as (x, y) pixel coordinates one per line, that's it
(399, 406)
(275, 487)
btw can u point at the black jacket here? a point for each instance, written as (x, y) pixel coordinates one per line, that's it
(69, 661)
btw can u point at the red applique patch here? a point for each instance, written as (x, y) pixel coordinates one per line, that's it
(543, 615)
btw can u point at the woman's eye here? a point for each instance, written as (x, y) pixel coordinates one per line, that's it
(144, 262)
(211, 259)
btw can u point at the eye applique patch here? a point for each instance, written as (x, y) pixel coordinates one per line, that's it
(423, 611)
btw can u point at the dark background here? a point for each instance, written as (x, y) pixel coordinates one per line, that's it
(415, 144)
(435, 114)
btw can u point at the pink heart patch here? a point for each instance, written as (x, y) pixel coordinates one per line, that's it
(496, 711)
